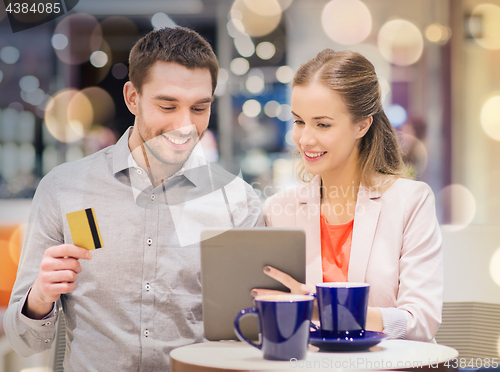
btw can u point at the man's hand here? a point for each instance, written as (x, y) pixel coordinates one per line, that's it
(58, 273)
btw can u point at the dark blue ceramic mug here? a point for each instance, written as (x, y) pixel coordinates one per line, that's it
(342, 309)
(284, 322)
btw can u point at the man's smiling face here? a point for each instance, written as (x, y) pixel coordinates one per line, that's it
(172, 111)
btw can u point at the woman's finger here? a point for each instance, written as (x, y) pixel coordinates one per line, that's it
(285, 279)
(265, 292)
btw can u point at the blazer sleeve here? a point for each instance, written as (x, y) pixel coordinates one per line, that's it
(420, 294)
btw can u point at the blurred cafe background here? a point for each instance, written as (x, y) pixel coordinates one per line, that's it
(438, 62)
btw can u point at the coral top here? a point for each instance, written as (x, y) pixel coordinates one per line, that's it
(335, 250)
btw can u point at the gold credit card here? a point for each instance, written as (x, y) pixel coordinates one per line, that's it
(84, 229)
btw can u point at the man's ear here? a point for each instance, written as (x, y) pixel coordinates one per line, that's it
(364, 126)
(131, 97)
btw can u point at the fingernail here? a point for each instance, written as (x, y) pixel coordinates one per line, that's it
(254, 293)
(88, 255)
(267, 269)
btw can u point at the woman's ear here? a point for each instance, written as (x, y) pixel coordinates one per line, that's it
(131, 97)
(364, 126)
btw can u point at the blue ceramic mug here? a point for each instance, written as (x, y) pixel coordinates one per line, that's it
(342, 309)
(284, 322)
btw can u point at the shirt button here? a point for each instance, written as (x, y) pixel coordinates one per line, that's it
(146, 333)
(148, 287)
(139, 171)
(47, 340)
(152, 197)
(47, 324)
(150, 241)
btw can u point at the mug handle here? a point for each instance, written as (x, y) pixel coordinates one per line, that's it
(252, 311)
(314, 326)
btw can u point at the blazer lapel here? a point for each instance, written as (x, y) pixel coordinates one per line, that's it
(308, 217)
(365, 225)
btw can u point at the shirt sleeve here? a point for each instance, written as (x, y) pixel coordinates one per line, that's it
(29, 336)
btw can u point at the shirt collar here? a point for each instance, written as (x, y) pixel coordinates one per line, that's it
(121, 153)
(195, 168)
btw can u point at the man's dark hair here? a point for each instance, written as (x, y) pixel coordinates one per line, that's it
(178, 45)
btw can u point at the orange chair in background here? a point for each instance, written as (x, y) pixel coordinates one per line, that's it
(11, 240)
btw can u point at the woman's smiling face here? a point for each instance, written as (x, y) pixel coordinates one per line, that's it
(323, 130)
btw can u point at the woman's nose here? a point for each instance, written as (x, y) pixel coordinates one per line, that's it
(307, 137)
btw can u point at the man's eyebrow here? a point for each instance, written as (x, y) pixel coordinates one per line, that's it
(163, 97)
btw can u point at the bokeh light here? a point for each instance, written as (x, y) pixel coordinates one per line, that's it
(272, 109)
(235, 27)
(239, 66)
(495, 267)
(259, 17)
(284, 74)
(397, 115)
(437, 33)
(29, 83)
(346, 22)
(34, 97)
(255, 84)
(265, 50)
(490, 117)
(98, 59)
(285, 113)
(119, 71)
(251, 108)
(490, 16)
(461, 203)
(400, 42)
(103, 106)
(59, 41)
(265, 8)
(244, 45)
(9, 55)
(69, 115)
(84, 36)
(102, 61)
(160, 20)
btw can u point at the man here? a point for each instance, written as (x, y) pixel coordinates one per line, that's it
(130, 302)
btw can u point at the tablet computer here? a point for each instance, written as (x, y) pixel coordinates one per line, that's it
(232, 264)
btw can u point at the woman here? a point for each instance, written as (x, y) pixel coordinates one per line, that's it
(364, 222)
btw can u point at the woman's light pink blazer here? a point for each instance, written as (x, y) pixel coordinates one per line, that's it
(396, 248)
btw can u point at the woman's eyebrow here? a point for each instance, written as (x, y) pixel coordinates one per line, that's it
(322, 117)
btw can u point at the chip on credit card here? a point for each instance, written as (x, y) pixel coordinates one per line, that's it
(84, 229)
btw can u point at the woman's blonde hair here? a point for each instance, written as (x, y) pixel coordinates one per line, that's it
(353, 77)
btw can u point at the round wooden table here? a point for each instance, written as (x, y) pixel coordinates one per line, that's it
(388, 355)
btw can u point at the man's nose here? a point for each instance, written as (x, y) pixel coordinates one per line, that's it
(183, 124)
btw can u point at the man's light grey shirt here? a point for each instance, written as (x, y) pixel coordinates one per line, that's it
(140, 295)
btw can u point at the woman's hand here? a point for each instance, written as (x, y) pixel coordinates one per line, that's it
(285, 279)
(374, 320)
